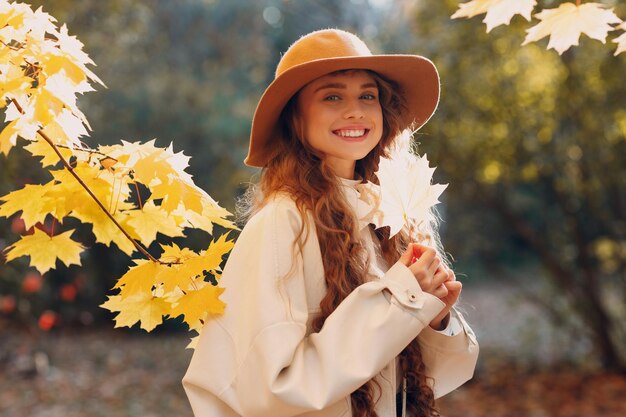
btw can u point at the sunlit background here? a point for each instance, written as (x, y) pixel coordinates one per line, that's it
(533, 145)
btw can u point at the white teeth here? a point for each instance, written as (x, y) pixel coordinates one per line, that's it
(351, 133)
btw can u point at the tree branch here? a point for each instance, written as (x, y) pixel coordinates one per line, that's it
(41, 133)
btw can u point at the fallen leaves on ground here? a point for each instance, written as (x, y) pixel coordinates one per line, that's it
(506, 390)
(114, 374)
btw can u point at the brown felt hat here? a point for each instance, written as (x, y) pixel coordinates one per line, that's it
(326, 51)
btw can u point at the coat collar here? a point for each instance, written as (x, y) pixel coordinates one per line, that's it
(361, 208)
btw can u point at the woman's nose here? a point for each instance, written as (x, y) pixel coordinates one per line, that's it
(354, 110)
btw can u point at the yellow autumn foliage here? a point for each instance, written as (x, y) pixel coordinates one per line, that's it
(563, 24)
(42, 69)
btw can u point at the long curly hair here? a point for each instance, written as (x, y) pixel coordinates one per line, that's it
(301, 171)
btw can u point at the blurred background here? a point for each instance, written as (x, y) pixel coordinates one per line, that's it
(533, 145)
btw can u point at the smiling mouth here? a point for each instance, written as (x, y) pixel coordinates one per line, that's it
(351, 134)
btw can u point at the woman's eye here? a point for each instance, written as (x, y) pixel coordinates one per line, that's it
(332, 97)
(369, 96)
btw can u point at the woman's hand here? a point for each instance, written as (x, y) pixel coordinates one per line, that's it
(434, 277)
(454, 291)
(426, 269)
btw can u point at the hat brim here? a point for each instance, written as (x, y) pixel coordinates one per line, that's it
(416, 76)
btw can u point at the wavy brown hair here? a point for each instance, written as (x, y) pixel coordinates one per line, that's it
(299, 170)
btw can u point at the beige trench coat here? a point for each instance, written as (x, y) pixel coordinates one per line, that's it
(261, 358)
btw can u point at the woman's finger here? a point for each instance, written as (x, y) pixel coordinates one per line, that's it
(454, 288)
(440, 292)
(439, 278)
(434, 265)
(418, 250)
(451, 276)
(407, 255)
(425, 259)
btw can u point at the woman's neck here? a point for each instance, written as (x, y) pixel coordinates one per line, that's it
(341, 167)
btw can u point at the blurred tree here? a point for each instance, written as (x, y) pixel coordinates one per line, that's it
(534, 147)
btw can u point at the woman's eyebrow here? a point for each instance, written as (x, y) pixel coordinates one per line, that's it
(344, 86)
(330, 85)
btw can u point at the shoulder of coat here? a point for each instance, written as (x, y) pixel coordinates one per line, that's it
(279, 208)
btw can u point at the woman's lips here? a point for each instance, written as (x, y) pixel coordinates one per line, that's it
(352, 135)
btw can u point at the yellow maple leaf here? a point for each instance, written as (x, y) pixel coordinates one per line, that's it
(176, 192)
(31, 200)
(15, 16)
(5, 58)
(565, 24)
(97, 180)
(64, 64)
(60, 88)
(139, 278)
(210, 259)
(45, 250)
(8, 137)
(39, 24)
(11, 16)
(67, 129)
(151, 219)
(72, 47)
(172, 276)
(25, 123)
(141, 307)
(189, 268)
(12, 81)
(172, 253)
(197, 304)
(105, 231)
(47, 106)
(151, 165)
(42, 148)
(211, 214)
(499, 12)
(216, 251)
(55, 201)
(144, 159)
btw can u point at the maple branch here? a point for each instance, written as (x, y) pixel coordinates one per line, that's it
(73, 148)
(138, 196)
(41, 133)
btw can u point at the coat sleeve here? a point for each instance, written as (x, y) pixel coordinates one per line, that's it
(450, 360)
(257, 359)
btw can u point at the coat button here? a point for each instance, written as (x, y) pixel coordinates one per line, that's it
(412, 296)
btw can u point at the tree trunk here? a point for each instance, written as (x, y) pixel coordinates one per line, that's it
(583, 292)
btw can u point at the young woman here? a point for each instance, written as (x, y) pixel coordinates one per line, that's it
(327, 316)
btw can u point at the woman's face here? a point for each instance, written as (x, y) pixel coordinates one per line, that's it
(341, 117)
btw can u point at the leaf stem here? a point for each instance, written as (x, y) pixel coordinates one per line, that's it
(138, 196)
(41, 133)
(9, 46)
